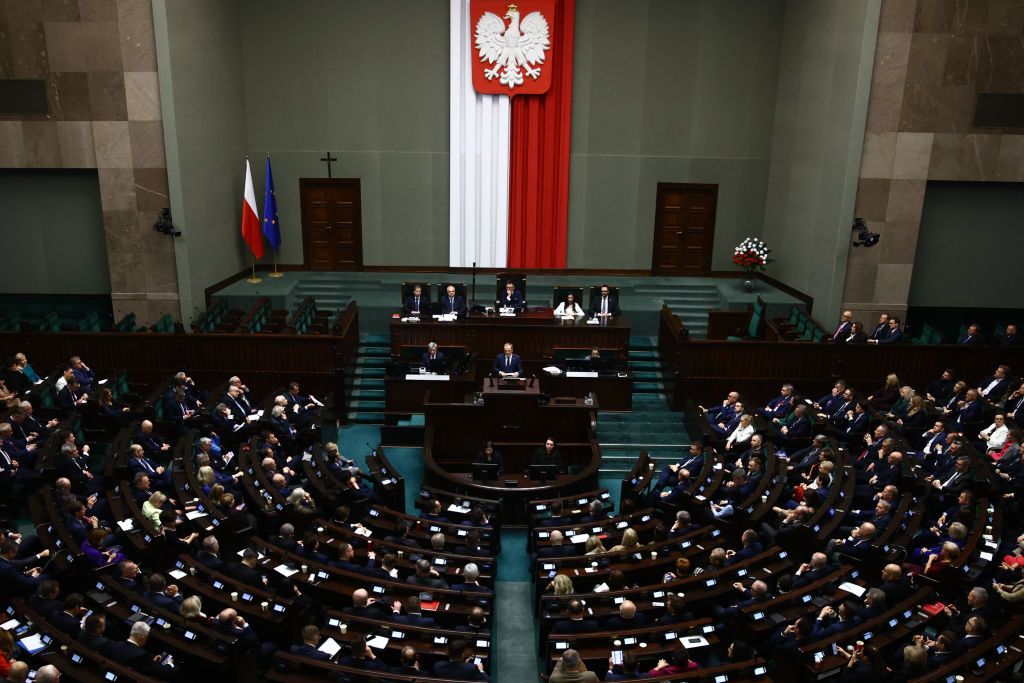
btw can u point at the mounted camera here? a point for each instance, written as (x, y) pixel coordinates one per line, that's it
(865, 238)
(164, 225)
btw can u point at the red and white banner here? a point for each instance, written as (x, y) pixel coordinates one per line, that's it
(511, 46)
(509, 158)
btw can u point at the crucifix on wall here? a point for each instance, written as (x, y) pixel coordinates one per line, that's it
(327, 158)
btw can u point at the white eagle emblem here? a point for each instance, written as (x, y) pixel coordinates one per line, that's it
(515, 49)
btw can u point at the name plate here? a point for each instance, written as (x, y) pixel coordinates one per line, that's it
(581, 373)
(428, 378)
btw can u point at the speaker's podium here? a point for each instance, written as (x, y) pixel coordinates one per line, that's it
(518, 418)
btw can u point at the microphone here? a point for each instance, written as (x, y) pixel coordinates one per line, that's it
(373, 451)
(533, 378)
(490, 378)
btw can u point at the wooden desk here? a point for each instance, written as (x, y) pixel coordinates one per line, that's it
(613, 392)
(535, 334)
(403, 395)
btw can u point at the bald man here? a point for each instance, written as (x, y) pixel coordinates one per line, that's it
(628, 618)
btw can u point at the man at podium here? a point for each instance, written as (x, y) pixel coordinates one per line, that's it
(508, 364)
(431, 354)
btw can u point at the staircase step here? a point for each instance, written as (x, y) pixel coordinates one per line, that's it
(639, 387)
(375, 339)
(366, 418)
(363, 392)
(375, 351)
(366, 405)
(644, 355)
(362, 371)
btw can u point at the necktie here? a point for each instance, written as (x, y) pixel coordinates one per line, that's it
(604, 304)
(417, 303)
(451, 304)
(145, 463)
(508, 362)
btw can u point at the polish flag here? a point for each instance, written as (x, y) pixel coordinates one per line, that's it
(250, 219)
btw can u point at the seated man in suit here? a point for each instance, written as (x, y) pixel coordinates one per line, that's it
(431, 354)
(1007, 339)
(152, 443)
(162, 595)
(779, 406)
(992, 389)
(452, 302)
(71, 397)
(604, 304)
(692, 463)
(92, 634)
(310, 642)
(508, 364)
(547, 454)
(892, 336)
(85, 376)
(575, 623)
(416, 304)
(413, 614)
(512, 298)
(972, 338)
(751, 547)
(557, 547)
(460, 666)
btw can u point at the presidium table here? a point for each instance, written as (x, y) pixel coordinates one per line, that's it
(539, 339)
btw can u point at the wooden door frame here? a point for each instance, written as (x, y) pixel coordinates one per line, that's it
(357, 214)
(714, 216)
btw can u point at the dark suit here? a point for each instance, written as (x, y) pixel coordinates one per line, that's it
(138, 659)
(459, 671)
(968, 340)
(503, 364)
(1005, 341)
(859, 338)
(842, 331)
(596, 305)
(210, 560)
(309, 652)
(456, 305)
(574, 626)
(244, 573)
(515, 301)
(895, 336)
(414, 620)
(164, 600)
(100, 644)
(411, 304)
(425, 361)
(998, 389)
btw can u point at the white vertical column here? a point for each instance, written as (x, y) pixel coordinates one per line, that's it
(478, 158)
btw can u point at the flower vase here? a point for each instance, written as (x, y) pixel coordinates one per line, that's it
(750, 285)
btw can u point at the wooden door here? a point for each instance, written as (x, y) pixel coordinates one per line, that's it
(332, 230)
(684, 229)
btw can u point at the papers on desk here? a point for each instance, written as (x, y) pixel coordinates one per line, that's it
(314, 400)
(690, 642)
(852, 588)
(457, 508)
(285, 571)
(986, 556)
(363, 531)
(10, 624)
(33, 644)
(102, 382)
(194, 514)
(579, 538)
(176, 574)
(593, 321)
(255, 416)
(446, 317)
(553, 370)
(378, 642)
(601, 588)
(330, 646)
(581, 373)
(241, 553)
(428, 377)
(125, 524)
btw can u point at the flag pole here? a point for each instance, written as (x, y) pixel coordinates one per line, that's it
(276, 272)
(253, 279)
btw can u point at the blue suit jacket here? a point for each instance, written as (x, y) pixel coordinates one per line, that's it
(515, 302)
(515, 364)
(458, 307)
(410, 304)
(971, 412)
(894, 337)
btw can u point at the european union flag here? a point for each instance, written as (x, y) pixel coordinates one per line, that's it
(271, 226)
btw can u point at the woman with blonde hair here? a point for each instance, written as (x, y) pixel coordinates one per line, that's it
(884, 398)
(192, 609)
(741, 435)
(630, 541)
(594, 545)
(151, 508)
(207, 478)
(560, 585)
(916, 418)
